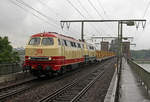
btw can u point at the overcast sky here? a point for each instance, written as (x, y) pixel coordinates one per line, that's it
(19, 19)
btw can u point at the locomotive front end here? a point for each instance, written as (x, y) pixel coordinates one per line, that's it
(40, 54)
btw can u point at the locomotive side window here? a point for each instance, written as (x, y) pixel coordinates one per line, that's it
(88, 47)
(79, 46)
(65, 42)
(68, 43)
(71, 44)
(82, 45)
(47, 41)
(62, 41)
(91, 47)
(35, 41)
(59, 42)
(74, 44)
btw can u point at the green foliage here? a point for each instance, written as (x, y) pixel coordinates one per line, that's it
(7, 54)
(140, 54)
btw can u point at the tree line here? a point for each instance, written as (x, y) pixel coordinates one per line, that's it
(7, 55)
(140, 54)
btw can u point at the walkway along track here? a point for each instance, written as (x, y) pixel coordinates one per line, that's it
(72, 92)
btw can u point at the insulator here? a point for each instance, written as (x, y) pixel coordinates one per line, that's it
(62, 25)
(137, 25)
(68, 25)
(143, 24)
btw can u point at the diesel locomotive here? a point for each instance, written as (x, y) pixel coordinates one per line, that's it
(49, 52)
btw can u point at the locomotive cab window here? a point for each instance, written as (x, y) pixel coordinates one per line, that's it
(47, 41)
(34, 41)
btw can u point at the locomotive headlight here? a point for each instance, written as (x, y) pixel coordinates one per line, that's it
(49, 58)
(29, 58)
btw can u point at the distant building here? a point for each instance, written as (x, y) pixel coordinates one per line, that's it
(104, 46)
(126, 49)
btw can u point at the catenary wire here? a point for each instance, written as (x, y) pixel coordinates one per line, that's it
(88, 15)
(95, 9)
(100, 4)
(147, 7)
(75, 8)
(30, 12)
(92, 5)
(40, 13)
(80, 13)
(44, 4)
(34, 14)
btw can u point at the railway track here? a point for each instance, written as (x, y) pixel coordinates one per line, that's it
(14, 89)
(10, 90)
(72, 92)
(20, 87)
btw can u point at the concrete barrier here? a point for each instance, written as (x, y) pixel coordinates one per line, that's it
(10, 68)
(111, 93)
(143, 75)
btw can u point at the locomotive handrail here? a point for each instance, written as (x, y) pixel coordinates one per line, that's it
(143, 75)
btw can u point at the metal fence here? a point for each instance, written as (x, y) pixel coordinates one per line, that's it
(9, 68)
(143, 75)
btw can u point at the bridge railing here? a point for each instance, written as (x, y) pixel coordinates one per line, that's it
(9, 68)
(143, 75)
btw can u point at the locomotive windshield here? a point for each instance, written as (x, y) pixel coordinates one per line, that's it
(47, 41)
(35, 41)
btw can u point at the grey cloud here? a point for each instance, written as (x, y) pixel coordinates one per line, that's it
(19, 24)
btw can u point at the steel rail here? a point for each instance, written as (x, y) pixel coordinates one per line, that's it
(11, 93)
(17, 84)
(57, 92)
(67, 87)
(7, 92)
(76, 98)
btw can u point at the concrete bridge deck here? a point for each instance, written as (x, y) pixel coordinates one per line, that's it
(131, 90)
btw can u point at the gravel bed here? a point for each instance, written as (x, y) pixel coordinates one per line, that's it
(98, 91)
(18, 77)
(44, 89)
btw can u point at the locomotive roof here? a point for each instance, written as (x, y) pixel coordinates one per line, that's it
(53, 34)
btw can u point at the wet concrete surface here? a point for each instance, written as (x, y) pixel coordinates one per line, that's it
(131, 90)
